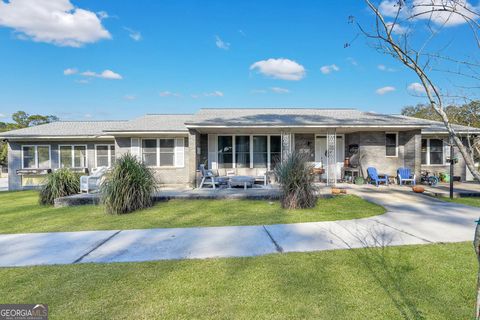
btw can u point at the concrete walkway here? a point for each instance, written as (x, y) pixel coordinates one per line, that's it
(411, 219)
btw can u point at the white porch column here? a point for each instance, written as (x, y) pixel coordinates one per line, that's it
(287, 144)
(331, 157)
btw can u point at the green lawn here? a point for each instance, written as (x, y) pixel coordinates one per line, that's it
(409, 282)
(469, 201)
(19, 212)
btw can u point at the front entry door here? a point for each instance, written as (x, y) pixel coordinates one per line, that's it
(321, 154)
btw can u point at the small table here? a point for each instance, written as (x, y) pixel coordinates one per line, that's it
(241, 181)
(354, 172)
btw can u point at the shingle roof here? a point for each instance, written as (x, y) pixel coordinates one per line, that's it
(439, 127)
(298, 117)
(154, 122)
(64, 128)
(231, 117)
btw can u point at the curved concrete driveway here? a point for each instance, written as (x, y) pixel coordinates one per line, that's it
(411, 219)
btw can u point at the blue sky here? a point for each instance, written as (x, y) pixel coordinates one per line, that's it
(179, 56)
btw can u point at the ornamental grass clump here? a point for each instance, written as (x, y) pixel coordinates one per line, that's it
(128, 187)
(60, 183)
(295, 177)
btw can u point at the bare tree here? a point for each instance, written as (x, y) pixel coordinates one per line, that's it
(393, 32)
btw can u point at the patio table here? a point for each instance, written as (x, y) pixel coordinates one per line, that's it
(241, 181)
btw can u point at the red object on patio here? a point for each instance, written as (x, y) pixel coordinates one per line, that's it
(418, 189)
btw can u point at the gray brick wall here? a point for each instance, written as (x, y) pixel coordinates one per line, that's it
(372, 151)
(167, 175)
(15, 157)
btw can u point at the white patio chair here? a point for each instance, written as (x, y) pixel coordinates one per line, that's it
(92, 182)
(209, 178)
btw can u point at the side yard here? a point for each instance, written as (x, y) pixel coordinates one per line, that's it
(469, 201)
(21, 213)
(388, 283)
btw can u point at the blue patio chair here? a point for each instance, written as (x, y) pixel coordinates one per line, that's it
(405, 175)
(375, 178)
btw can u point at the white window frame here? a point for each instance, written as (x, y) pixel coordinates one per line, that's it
(396, 144)
(35, 155)
(72, 154)
(234, 160)
(157, 165)
(428, 153)
(109, 153)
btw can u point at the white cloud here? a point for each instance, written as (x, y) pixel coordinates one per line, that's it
(242, 32)
(88, 115)
(221, 44)
(103, 15)
(82, 81)
(284, 69)
(135, 35)
(208, 94)
(169, 94)
(106, 74)
(70, 71)
(279, 90)
(2, 115)
(329, 69)
(258, 91)
(432, 10)
(384, 90)
(129, 97)
(52, 21)
(352, 61)
(416, 87)
(383, 67)
(214, 94)
(397, 28)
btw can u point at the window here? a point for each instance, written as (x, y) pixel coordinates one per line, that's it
(242, 151)
(105, 155)
(391, 144)
(275, 151)
(149, 152)
(225, 152)
(432, 152)
(36, 157)
(159, 152)
(73, 156)
(260, 152)
(252, 151)
(167, 152)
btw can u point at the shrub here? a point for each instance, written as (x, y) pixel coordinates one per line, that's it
(296, 181)
(128, 187)
(60, 183)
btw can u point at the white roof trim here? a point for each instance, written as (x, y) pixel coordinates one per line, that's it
(307, 126)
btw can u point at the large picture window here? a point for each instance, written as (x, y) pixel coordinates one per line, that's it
(105, 155)
(391, 144)
(260, 151)
(73, 156)
(225, 152)
(275, 151)
(249, 151)
(36, 157)
(432, 152)
(242, 151)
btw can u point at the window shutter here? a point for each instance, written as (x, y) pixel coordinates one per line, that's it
(179, 152)
(135, 147)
